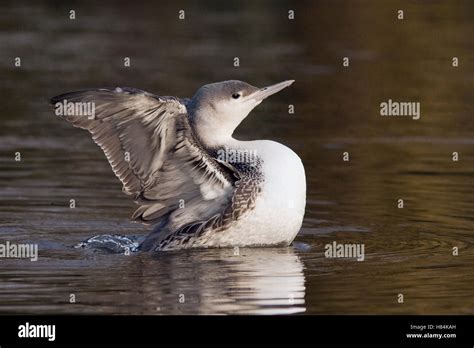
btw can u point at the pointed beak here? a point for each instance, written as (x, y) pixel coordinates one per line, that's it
(265, 92)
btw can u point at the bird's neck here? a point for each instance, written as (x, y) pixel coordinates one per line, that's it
(212, 136)
(213, 133)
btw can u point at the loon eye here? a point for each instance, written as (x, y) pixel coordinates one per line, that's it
(236, 95)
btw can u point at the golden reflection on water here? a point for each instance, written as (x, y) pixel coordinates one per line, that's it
(408, 250)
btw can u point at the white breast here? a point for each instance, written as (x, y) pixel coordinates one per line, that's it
(279, 208)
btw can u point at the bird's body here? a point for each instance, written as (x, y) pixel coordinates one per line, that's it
(198, 185)
(279, 207)
(277, 212)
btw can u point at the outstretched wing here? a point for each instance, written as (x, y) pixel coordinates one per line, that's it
(153, 151)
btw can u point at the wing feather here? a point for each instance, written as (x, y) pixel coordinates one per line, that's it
(152, 149)
(199, 231)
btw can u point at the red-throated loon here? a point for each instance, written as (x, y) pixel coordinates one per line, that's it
(177, 159)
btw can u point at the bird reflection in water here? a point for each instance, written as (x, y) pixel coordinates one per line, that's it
(224, 281)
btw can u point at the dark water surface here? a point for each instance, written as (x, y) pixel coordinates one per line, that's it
(407, 251)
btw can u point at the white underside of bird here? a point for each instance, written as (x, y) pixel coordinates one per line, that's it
(279, 208)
